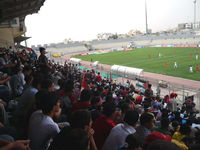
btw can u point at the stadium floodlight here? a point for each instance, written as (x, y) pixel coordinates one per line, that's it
(195, 2)
(146, 17)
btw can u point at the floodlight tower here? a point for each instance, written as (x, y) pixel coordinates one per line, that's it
(195, 2)
(146, 17)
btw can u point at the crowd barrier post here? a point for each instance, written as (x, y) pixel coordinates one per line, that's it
(183, 93)
(198, 99)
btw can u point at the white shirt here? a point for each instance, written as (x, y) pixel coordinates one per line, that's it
(10, 50)
(172, 106)
(2, 61)
(22, 78)
(175, 64)
(194, 125)
(127, 85)
(191, 69)
(118, 136)
(41, 130)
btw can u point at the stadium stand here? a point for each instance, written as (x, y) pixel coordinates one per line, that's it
(60, 107)
(180, 38)
(50, 108)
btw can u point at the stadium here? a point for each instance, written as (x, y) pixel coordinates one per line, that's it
(118, 92)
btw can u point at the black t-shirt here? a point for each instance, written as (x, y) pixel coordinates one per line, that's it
(59, 142)
(43, 61)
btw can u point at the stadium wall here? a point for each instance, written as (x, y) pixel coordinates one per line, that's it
(110, 45)
(192, 41)
(6, 37)
(178, 41)
(67, 50)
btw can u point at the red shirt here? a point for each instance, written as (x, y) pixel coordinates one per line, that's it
(197, 68)
(104, 91)
(133, 105)
(61, 93)
(138, 100)
(102, 127)
(98, 78)
(124, 92)
(81, 105)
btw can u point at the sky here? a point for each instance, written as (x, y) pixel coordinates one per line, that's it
(84, 19)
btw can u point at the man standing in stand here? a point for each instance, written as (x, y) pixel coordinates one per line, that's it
(43, 62)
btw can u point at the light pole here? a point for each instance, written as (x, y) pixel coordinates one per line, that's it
(194, 13)
(146, 17)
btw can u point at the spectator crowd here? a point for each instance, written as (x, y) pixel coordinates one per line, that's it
(48, 106)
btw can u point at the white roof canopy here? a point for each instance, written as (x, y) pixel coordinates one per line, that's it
(95, 64)
(124, 71)
(75, 60)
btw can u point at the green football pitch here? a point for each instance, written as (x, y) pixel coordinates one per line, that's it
(149, 60)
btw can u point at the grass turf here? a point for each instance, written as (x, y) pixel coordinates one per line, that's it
(139, 58)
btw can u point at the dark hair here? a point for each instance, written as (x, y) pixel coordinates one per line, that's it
(18, 69)
(131, 117)
(39, 96)
(48, 102)
(133, 141)
(162, 145)
(41, 49)
(175, 124)
(109, 98)
(60, 83)
(47, 83)
(165, 113)
(177, 114)
(197, 136)
(68, 138)
(85, 95)
(185, 129)
(146, 118)
(37, 80)
(27, 68)
(77, 139)
(68, 86)
(108, 109)
(195, 147)
(28, 79)
(80, 119)
(95, 100)
(149, 85)
(125, 106)
(165, 122)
